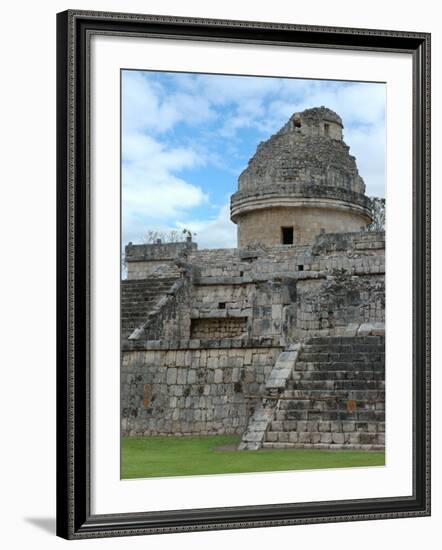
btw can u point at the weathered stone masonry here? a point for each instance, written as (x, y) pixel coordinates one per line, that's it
(304, 179)
(195, 388)
(280, 343)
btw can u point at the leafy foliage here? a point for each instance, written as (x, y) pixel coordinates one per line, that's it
(378, 213)
(172, 236)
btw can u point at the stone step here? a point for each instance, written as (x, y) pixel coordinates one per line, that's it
(134, 312)
(329, 341)
(356, 384)
(138, 297)
(333, 357)
(314, 366)
(339, 438)
(325, 446)
(358, 395)
(128, 312)
(133, 321)
(283, 369)
(337, 375)
(344, 348)
(318, 406)
(145, 289)
(143, 293)
(151, 280)
(314, 409)
(130, 296)
(324, 426)
(375, 414)
(277, 380)
(143, 307)
(329, 372)
(257, 426)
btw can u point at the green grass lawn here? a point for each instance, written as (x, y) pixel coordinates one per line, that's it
(183, 456)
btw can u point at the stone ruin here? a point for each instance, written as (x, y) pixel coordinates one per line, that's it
(280, 340)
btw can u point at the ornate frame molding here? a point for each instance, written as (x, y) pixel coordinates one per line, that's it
(74, 30)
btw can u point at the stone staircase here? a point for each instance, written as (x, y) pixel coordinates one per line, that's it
(264, 413)
(335, 397)
(138, 297)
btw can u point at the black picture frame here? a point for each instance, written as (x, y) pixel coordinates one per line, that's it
(74, 518)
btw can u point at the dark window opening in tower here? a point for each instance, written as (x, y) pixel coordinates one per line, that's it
(297, 123)
(287, 235)
(326, 129)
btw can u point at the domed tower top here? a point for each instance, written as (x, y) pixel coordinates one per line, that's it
(319, 121)
(299, 182)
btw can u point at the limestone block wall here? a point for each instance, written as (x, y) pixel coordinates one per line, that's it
(143, 260)
(279, 291)
(297, 157)
(142, 270)
(272, 308)
(234, 300)
(224, 327)
(222, 310)
(293, 290)
(187, 387)
(356, 251)
(211, 343)
(264, 226)
(366, 242)
(333, 130)
(336, 304)
(263, 306)
(312, 123)
(216, 260)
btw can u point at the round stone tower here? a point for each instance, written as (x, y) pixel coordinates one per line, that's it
(299, 183)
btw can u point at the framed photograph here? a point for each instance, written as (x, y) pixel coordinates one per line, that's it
(243, 274)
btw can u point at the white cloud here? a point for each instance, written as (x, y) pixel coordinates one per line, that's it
(151, 191)
(362, 109)
(146, 106)
(368, 146)
(155, 197)
(217, 232)
(240, 90)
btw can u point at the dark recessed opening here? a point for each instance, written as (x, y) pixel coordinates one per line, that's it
(326, 129)
(287, 235)
(300, 268)
(241, 273)
(297, 123)
(222, 305)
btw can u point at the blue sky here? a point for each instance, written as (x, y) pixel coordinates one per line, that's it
(187, 137)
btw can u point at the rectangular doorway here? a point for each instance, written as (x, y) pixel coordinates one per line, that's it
(287, 235)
